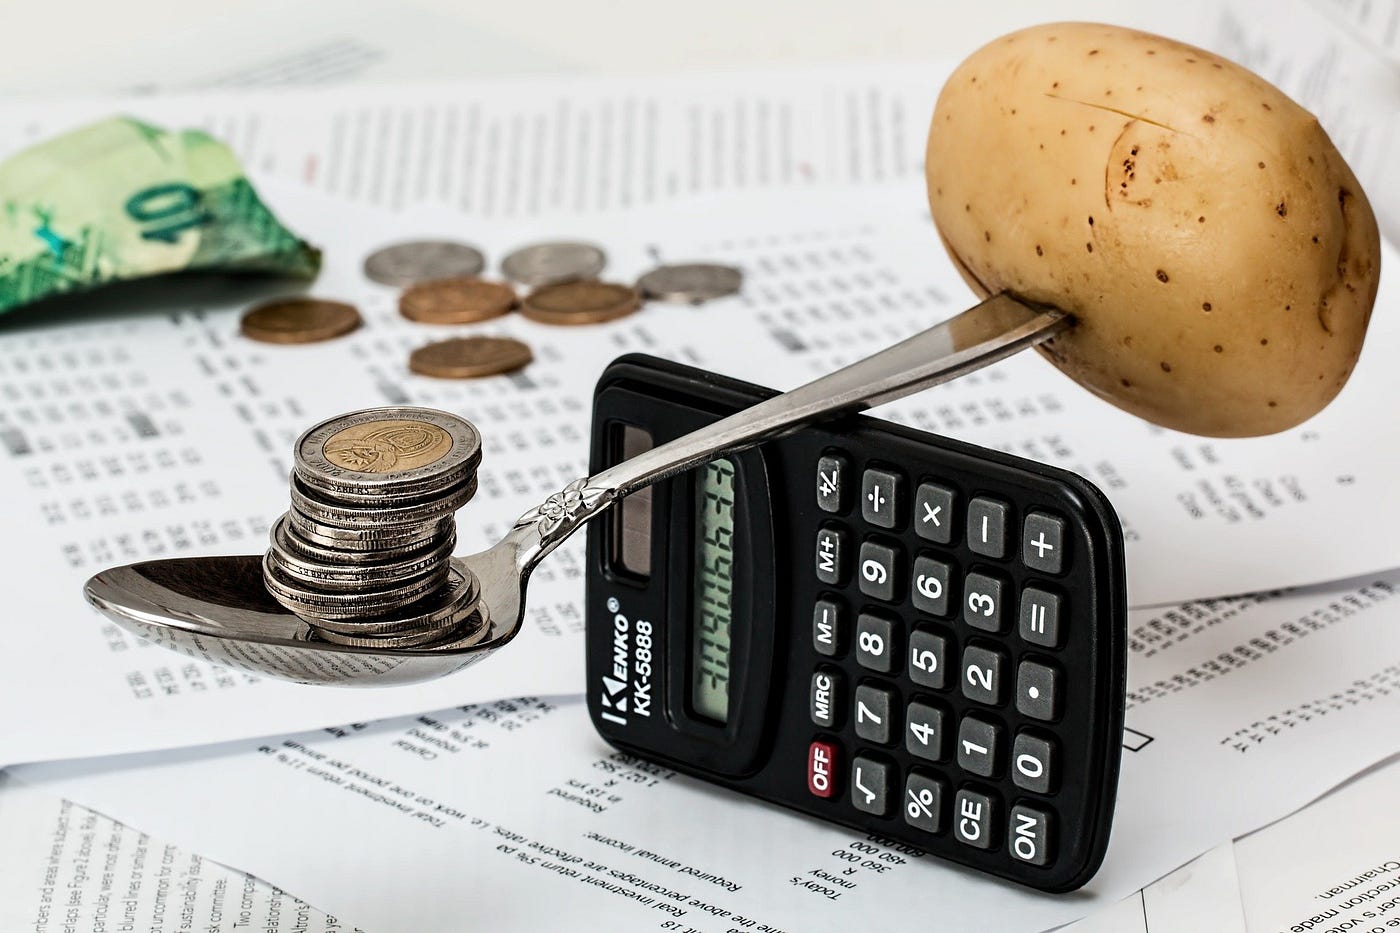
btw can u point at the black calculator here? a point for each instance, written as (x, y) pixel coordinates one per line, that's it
(872, 625)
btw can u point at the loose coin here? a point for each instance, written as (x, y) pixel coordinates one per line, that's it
(299, 320)
(456, 301)
(469, 357)
(548, 263)
(691, 283)
(581, 302)
(395, 451)
(405, 264)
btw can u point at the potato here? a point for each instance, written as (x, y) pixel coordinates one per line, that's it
(1218, 255)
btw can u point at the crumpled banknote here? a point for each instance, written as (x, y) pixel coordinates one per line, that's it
(122, 199)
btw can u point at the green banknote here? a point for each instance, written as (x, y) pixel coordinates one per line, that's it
(122, 199)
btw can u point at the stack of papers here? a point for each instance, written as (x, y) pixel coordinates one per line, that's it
(488, 795)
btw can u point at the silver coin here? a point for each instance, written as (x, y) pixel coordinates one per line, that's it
(359, 539)
(328, 571)
(374, 517)
(409, 638)
(548, 263)
(405, 264)
(287, 536)
(379, 452)
(434, 612)
(691, 283)
(313, 604)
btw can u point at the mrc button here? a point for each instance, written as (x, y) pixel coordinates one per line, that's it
(821, 769)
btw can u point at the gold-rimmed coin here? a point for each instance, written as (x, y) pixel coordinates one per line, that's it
(469, 357)
(456, 301)
(299, 320)
(585, 301)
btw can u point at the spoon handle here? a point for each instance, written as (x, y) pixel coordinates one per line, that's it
(981, 335)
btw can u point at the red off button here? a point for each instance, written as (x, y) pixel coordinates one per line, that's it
(821, 769)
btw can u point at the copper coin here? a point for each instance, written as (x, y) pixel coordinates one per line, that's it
(469, 357)
(299, 320)
(456, 301)
(581, 302)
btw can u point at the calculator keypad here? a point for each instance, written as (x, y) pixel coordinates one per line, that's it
(960, 603)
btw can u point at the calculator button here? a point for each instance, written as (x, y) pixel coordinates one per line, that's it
(982, 673)
(979, 746)
(974, 815)
(1043, 542)
(1040, 617)
(822, 761)
(931, 581)
(923, 802)
(828, 627)
(831, 554)
(1038, 691)
(875, 642)
(826, 698)
(933, 513)
(986, 526)
(1028, 834)
(1033, 763)
(881, 497)
(925, 731)
(879, 570)
(870, 785)
(874, 714)
(983, 601)
(832, 470)
(928, 659)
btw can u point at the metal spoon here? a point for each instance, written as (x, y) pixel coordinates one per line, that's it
(217, 609)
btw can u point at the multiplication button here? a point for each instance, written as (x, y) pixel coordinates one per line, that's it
(933, 513)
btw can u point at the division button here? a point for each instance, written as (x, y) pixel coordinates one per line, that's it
(982, 673)
(982, 602)
(881, 497)
(879, 570)
(874, 714)
(1038, 691)
(832, 470)
(931, 582)
(1028, 834)
(831, 554)
(933, 513)
(828, 627)
(974, 815)
(986, 527)
(1040, 617)
(875, 642)
(822, 761)
(923, 802)
(826, 698)
(870, 785)
(1043, 542)
(928, 659)
(979, 746)
(924, 731)
(1033, 763)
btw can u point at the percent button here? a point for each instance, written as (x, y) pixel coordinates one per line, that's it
(923, 802)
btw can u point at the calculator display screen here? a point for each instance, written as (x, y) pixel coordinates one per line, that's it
(713, 601)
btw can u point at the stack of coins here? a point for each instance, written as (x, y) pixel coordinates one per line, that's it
(364, 555)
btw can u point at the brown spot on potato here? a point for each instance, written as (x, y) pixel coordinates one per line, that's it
(1093, 51)
(1281, 209)
(1261, 164)
(1208, 118)
(1038, 250)
(1091, 220)
(1219, 348)
(1273, 404)
(987, 235)
(1089, 247)
(1201, 219)
(1263, 341)
(1266, 106)
(1205, 306)
(1162, 276)
(1166, 367)
(1126, 383)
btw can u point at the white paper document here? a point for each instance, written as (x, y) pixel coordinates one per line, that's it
(515, 813)
(65, 868)
(143, 432)
(1203, 894)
